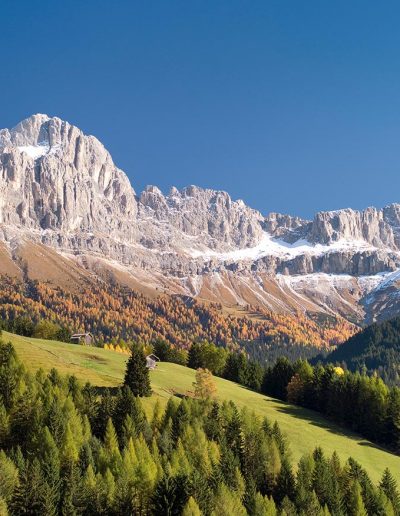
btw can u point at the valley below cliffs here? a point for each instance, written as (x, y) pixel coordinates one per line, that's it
(69, 215)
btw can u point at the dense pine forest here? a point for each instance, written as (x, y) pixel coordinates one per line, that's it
(68, 448)
(113, 313)
(362, 403)
(375, 349)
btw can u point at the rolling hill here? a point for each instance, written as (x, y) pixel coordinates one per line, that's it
(305, 428)
(375, 349)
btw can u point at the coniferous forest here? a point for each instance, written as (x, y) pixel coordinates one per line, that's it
(68, 448)
(361, 403)
(375, 349)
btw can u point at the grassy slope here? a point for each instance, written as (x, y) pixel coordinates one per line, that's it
(305, 429)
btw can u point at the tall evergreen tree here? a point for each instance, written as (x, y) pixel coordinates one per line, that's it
(389, 487)
(356, 505)
(285, 483)
(50, 463)
(171, 495)
(137, 376)
(235, 435)
(30, 495)
(393, 420)
(128, 405)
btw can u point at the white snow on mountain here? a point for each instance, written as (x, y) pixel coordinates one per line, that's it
(35, 151)
(269, 246)
(69, 195)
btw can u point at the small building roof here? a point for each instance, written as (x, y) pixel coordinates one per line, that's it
(154, 357)
(76, 335)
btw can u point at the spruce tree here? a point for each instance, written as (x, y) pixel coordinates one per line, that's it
(50, 463)
(235, 436)
(171, 495)
(263, 506)
(105, 410)
(71, 489)
(393, 420)
(356, 505)
(213, 424)
(128, 405)
(180, 419)
(30, 495)
(322, 477)
(201, 489)
(137, 376)
(389, 487)
(227, 503)
(285, 483)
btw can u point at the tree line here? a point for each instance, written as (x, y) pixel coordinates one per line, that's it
(362, 403)
(42, 329)
(72, 449)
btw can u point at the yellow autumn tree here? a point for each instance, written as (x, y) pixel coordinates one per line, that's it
(204, 386)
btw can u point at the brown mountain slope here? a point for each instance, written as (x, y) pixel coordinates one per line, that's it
(113, 312)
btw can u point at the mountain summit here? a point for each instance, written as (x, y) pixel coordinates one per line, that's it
(60, 188)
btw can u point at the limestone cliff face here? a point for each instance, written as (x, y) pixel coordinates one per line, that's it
(61, 188)
(209, 218)
(53, 177)
(380, 228)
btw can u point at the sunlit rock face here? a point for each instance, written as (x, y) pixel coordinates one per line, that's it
(61, 188)
(53, 177)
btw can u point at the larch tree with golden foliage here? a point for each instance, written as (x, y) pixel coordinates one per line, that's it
(204, 386)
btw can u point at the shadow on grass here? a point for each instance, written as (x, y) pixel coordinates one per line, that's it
(319, 421)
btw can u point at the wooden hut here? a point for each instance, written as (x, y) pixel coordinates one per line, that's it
(151, 361)
(86, 339)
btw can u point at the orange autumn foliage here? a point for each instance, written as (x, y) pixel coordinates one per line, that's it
(112, 313)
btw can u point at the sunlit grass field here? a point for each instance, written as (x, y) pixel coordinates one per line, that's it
(305, 429)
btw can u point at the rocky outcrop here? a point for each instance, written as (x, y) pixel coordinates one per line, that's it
(379, 228)
(210, 219)
(287, 227)
(55, 178)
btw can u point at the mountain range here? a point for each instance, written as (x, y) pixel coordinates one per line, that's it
(68, 213)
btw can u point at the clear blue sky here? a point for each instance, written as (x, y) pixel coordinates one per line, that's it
(292, 105)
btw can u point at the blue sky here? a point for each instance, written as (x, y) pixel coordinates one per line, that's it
(292, 106)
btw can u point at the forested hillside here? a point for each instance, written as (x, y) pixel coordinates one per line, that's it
(70, 449)
(376, 348)
(113, 313)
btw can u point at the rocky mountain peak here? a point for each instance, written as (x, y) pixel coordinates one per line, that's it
(36, 130)
(60, 187)
(54, 177)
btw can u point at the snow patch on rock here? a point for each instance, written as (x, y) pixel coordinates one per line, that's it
(35, 151)
(269, 246)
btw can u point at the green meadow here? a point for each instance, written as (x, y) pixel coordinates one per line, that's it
(304, 428)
